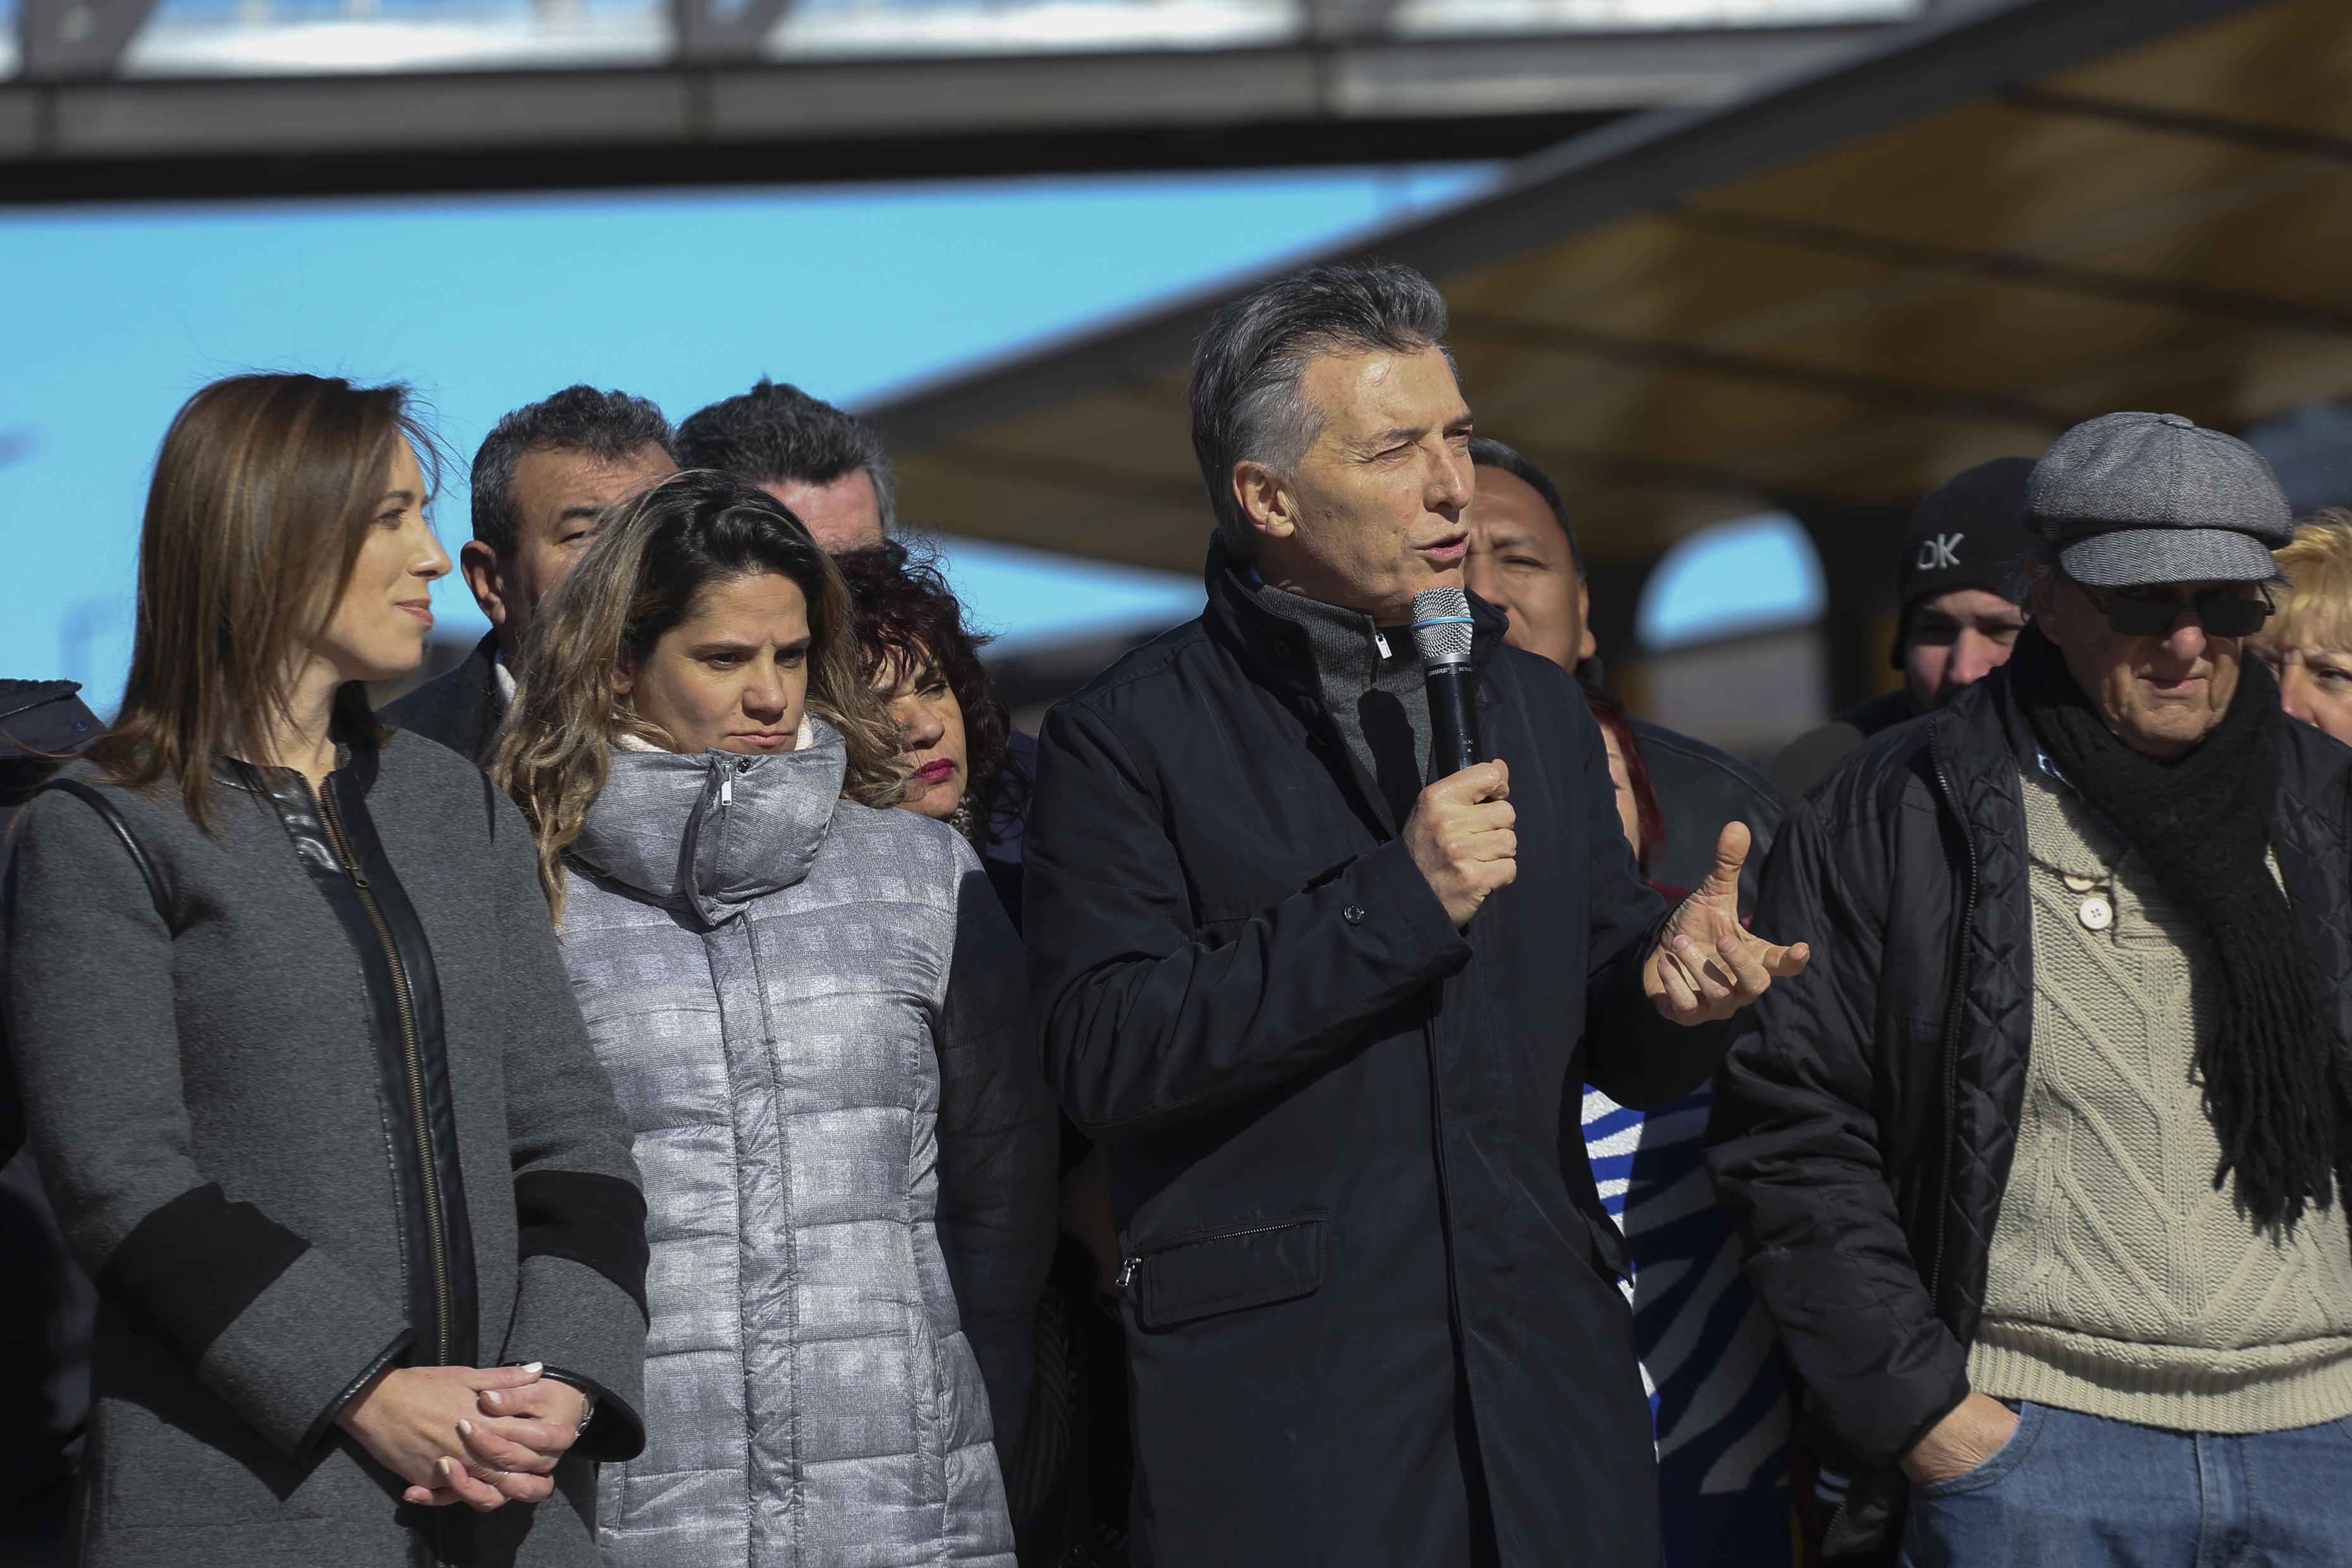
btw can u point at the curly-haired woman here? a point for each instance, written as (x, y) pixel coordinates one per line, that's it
(812, 1009)
(1069, 1483)
(967, 765)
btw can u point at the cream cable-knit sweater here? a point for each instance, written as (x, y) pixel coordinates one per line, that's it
(2120, 1283)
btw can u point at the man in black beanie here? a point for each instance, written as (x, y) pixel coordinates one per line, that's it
(1963, 598)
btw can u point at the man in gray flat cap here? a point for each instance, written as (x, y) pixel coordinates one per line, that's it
(2037, 1167)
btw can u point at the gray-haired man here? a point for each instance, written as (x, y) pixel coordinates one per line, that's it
(2038, 1169)
(542, 478)
(1330, 1024)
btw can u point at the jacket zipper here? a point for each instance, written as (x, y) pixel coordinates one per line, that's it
(414, 1058)
(1951, 1041)
(1127, 1264)
(415, 1064)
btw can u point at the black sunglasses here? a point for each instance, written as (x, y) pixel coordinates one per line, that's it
(2221, 615)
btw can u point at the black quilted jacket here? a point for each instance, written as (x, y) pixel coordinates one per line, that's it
(1867, 1114)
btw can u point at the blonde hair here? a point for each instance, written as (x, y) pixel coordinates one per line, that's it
(2316, 608)
(264, 492)
(655, 556)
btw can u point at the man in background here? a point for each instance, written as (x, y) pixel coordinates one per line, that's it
(1526, 560)
(828, 466)
(1962, 593)
(543, 477)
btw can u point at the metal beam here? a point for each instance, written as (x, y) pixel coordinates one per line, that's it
(68, 40)
(1103, 481)
(711, 33)
(2011, 267)
(646, 164)
(1696, 359)
(1417, 101)
(1639, 163)
(2210, 127)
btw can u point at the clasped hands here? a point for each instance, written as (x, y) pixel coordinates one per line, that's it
(484, 1437)
(1462, 835)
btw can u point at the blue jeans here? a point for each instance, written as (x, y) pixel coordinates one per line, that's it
(2079, 1492)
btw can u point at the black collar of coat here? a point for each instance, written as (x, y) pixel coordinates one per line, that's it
(1276, 652)
(359, 756)
(1278, 655)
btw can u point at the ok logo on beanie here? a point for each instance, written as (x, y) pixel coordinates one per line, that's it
(1939, 553)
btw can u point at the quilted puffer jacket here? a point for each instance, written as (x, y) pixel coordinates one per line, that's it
(813, 1015)
(1866, 1116)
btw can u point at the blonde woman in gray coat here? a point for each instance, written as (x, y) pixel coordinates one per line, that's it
(813, 1012)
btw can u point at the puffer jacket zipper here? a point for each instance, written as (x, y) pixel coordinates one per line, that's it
(413, 1061)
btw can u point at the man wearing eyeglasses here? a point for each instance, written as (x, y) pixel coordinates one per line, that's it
(2038, 1167)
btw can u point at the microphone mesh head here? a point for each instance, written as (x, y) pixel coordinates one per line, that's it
(1441, 626)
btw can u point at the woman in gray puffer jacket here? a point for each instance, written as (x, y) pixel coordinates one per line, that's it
(814, 1013)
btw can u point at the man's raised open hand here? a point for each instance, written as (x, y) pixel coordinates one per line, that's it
(1706, 965)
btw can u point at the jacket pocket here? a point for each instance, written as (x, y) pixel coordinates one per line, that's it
(1250, 1265)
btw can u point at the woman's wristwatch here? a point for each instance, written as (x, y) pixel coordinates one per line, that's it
(587, 1403)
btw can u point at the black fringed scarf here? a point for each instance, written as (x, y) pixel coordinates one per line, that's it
(2275, 1090)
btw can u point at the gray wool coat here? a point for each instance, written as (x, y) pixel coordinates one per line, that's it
(207, 1090)
(815, 1016)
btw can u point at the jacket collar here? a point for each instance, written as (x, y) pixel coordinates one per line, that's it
(712, 831)
(1277, 649)
(358, 759)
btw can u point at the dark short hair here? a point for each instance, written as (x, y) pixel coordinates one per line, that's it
(1488, 453)
(905, 616)
(776, 434)
(1245, 392)
(610, 427)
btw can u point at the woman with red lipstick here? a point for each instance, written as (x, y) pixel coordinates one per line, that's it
(816, 1018)
(969, 767)
(955, 735)
(331, 1142)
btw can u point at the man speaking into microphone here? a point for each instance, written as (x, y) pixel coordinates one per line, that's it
(1331, 1019)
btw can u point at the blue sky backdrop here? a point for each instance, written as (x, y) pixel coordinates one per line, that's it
(482, 305)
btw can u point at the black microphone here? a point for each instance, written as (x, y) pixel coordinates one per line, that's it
(1441, 634)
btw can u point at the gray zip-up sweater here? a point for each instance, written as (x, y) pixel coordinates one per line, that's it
(815, 1016)
(288, 1160)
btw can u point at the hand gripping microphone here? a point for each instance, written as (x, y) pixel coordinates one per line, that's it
(1441, 634)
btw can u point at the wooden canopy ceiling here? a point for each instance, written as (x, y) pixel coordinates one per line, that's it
(1837, 290)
